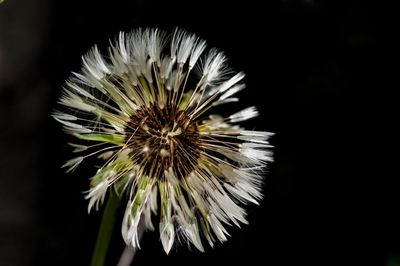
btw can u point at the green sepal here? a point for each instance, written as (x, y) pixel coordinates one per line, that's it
(113, 139)
(146, 88)
(185, 100)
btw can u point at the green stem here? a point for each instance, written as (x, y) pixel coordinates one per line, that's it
(105, 231)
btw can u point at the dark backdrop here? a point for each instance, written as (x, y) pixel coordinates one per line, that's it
(309, 69)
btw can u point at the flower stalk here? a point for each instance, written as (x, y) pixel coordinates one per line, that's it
(106, 230)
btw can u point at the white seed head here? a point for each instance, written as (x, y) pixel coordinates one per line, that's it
(145, 115)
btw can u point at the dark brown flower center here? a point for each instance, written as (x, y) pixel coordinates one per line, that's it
(163, 138)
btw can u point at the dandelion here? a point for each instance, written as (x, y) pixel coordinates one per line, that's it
(142, 110)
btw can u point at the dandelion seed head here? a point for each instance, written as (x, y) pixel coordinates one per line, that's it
(144, 110)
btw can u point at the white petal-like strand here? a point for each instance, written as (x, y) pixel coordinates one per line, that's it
(97, 194)
(232, 81)
(185, 47)
(243, 115)
(214, 65)
(94, 63)
(167, 235)
(78, 147)
(134, 213)
(232, 91)
(73, 163)
(155, 42)
(197, 50)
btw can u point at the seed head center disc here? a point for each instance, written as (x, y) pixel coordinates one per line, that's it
(161, 138)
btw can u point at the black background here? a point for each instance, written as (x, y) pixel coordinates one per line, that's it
(310, 66)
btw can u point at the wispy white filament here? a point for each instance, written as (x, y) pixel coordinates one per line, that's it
(243, 115)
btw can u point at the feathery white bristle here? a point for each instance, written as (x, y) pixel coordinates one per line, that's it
(78, 147)
(94, 63)
(255, 154)
(167, 236)
(72, 163)
(176, 39)
(185, 47)
(214, 64)
(197, 50)
(122, 48)
(156, 42)
(257, 134)
(243, 115)
(232, 91)
(97, 194)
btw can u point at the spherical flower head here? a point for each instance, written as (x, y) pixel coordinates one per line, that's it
(142, 110)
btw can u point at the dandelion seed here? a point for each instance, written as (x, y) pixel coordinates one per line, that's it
(142, 111)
